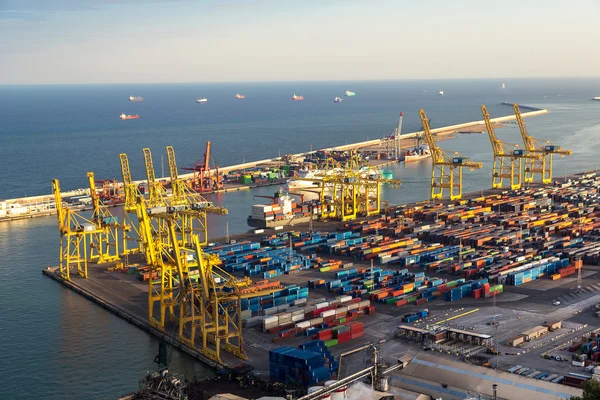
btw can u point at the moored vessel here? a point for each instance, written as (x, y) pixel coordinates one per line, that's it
(125, 116)
(418, 153)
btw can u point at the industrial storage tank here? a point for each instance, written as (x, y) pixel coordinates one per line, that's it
(313, 389)
(339, 393)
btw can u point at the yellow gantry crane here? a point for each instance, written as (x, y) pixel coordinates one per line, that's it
(543, 164)
(446, 171)
(76, 235)
(105, 247)
(190, 205)
(350, 190)
(508, 158)
(193, 291)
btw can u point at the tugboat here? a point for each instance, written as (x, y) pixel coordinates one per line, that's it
(239, 96)
(202, 100)
(125, 116)
(296, 98)
(338, 100)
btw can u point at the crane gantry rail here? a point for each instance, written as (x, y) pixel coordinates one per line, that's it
(446, 171)
(542, 165)
(508, 158)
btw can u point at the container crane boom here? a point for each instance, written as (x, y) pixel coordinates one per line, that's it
(155, 188)
(446, 170)
(543, 164)
(129, 187)
(507, 160)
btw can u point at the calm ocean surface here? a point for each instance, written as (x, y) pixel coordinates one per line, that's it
(57, 345)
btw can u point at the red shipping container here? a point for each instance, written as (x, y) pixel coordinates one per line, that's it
(356, 335)
(418, 302)
(344, 337)
(371, 310)
(401, 302)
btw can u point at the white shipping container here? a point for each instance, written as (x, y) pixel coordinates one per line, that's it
(296, 318)
(328, 313)
(334, 302)
(283, 307)
(345, 299)
(316, 321)
(269, 320)
(341, 310)
(364, 303)
(299, 302)
(352, 306)
(322, 305)
(303, 324)
(270, 310)
(297, 312)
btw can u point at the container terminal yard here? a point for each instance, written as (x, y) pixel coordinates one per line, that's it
(488, 291)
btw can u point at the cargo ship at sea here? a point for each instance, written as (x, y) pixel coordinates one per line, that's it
(296, 98)
(136, 98)
(202, 100)
(125, 116)
(349, 93)
(239, 96)
(596, 98)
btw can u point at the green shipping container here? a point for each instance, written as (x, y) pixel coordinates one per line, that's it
(331, 342)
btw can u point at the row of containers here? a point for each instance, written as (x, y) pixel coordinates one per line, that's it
(404, 287)
(334, 320)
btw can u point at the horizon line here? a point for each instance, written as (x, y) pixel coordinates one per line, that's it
(295, 81)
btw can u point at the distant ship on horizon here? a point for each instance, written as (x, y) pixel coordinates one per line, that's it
(202, 100)
(239, 96)
(441, 92)
(296, 98)
(349, 93)
(136, 98)
(125, 116)
(338, 100)
(503, 86)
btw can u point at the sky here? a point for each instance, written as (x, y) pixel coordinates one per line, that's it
(136, 41)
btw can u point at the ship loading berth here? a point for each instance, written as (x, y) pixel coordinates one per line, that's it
(122, 293)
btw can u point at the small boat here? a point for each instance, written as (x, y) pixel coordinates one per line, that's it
(349, 93)
(338, 100)
(418, 153)
(136, 98)
(202, 100)
(125, 116)
(441, 92)
(295, 98)
(503, 86)
(239, 96)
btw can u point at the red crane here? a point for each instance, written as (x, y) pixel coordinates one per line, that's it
(203, 180)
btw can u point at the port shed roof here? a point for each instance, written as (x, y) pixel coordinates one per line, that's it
(428, 373)
(470, 333)
(413, 329)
